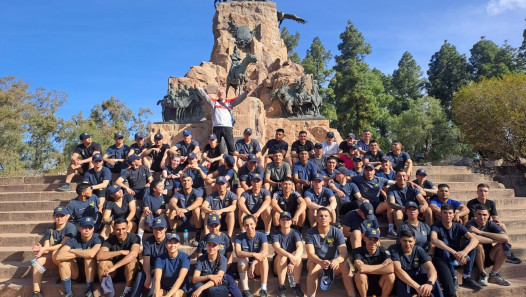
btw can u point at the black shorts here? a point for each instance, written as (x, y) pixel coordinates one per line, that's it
(82, 270)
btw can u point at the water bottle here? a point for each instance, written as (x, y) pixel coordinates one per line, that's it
(38, 266)
(456, 263)
(292, 283)
(185, 237)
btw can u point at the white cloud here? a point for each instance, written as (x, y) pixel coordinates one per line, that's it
(499, 6)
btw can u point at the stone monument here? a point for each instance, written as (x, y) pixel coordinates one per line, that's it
(285, 97)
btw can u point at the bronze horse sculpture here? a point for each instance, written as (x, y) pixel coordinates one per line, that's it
(236, 76)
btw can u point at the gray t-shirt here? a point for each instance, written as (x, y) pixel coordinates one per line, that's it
(277, 174)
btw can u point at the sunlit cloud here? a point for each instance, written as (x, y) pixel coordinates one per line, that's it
(499, 6)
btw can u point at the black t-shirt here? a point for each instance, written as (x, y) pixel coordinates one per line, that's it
(158, 156)
(87, 152)
(374, 158)
(413, 264)
(289, 204)
(378, 257)
(114, 245)
(297, 146)
(137, 177)
(451, 237)
(274, 146)
(119, 211)
(139, 149)
(212, 153)
(345, 147)
(490, 204)
(490, 227)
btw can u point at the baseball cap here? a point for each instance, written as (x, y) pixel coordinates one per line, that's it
(341, 170)
(173, 235)
(96, 157)
(370, 166)
(411, 204)
(248, 131)
(256, 176)
(139, 135)
(187, 132)
(192, 155)
(159, 222)
(158, 136)
(213, 219)
(229, 160)
(214, 238)
(421, 172)
(368, 210)
(327, 278)
(212, 137)
(285, 214)
(84, 136)
(371, 233)
(351, 135)
(60, 210)
(357, 158)
(113, 189)
(106, 286)
(330, 134)
(118, 135)
(87, 221)
(221, 179)
(385, 158)
(318, 145)
(318, 177)
(252, 158)
(134, 158)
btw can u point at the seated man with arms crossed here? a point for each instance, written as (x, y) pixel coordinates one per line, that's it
(288, 200)
(320, 197)
(256, 202)
(137, 176)
(222, 203)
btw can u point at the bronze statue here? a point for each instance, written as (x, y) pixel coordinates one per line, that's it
(242, 34)
(236, 75)
(296, 102)
(283, 16)
(181, 106)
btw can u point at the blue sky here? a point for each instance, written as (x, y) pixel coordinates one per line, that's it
(93, 50)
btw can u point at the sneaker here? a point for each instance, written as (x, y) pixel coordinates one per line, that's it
(64, 188)
(392, 234)
(282, 291)
(483, 279)
(126, 294)
(194, 243)
(37, 294)
(263, 293)
(88, 294)
(68, 295)
(497, 279)
(247, 293)
(468, 282)
(456, 283)
(513, 260)
(298, 291)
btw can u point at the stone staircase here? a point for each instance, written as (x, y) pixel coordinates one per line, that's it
(26, 206)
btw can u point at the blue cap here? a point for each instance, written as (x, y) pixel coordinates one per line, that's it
(385, 158)
(351, 135)
(221, 179)
(213, 238)
(192, 155)
(187, 132)
(411, 204)
(158, 136)
(327, 278)
(134, 157)
(330, 134)
(252, 158)
(341, 170)
(173, 235)
(87, 221)
(212, 137)
(229, 160)
(318, 145)
(118, 135)
(106, 286)
(255, 176)
(214, 219)
(369, 166)
(421, 172)
(139, 135)
(60, 210)
(368, 210)
(159, 222)
(248, 131)
(112, 189)
(84, 136)
(372, 233)
(285, 214)
(357, 158)
(318, 177)
(96, 157)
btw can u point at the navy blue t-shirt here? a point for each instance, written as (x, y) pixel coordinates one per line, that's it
(95, 178)
(208, 267)
(323, 198)
(253, 201)
(402, 196)
(154, 203)
(137, 177)
(287, 241)
(76, 243)
(119, 211)
(138, 150)
(153, 249)
(325, 248)
(198, 181)
(413, 264)
(215, 202)
(398, 161)
(224, 248)
(113, 244)
(362, 145)
(117, 153)
(353, 220)
(184, 201)
(422, 233)
(245, 174)
(186, 149)
(274, 146)
(427, 184)
(350, 189)
(68, 231)
(251, 245)
(252, 148)
(370, 189)
(390, 176)
(380, 255)
(374, 158)
(79, 209)
(305, 172)
(171, 267)
(451, 237)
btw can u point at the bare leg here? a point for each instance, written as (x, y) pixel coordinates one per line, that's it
(312, 278)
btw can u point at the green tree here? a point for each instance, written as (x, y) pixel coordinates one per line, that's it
(316, 61)
(448, 72)
(521, 54)
(489, 60)
(291, 42)
(358, 91)
(492, 115)
(406, 83)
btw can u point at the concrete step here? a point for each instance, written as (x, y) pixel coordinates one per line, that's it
(462, 177)
(471, 193)
(40, 215)
(454, 186)
(37, 196)
(31, 205)
(25, 227)
(22, 188)
(435, 170)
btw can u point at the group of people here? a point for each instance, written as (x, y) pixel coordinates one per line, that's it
(322, 198)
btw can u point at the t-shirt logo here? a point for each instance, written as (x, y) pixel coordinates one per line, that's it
(330, 241)
(221, 246)
(92, 204)
(387, 252)
(370, 211)
(256, 244)
(368, 225)
(424, 233)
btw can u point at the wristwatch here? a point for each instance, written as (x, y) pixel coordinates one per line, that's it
(430, 283)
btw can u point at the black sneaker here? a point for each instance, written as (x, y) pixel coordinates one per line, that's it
(298, 291)
(468, 282)
(64, 188)
(126, 294)
(282, 291)
(247, 293)
(263, 293)
(68, 295)
(88, 294)
(513, 260)
(37, 294)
